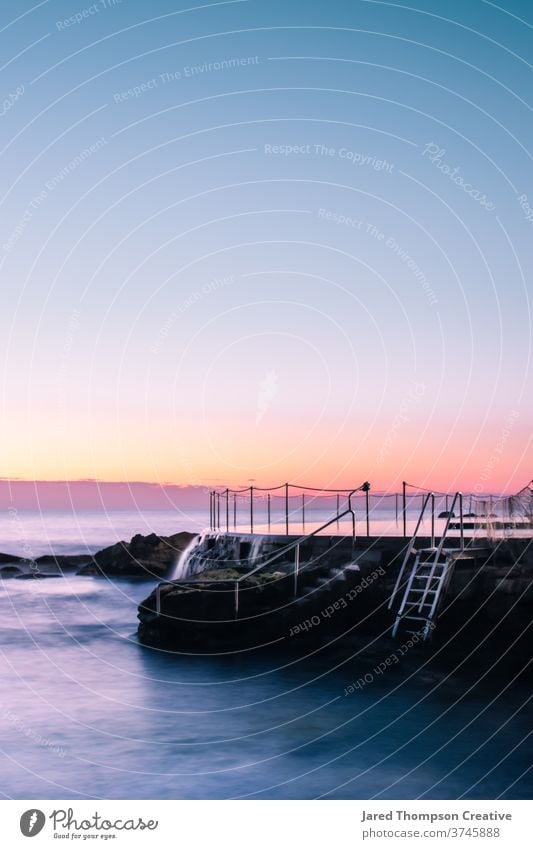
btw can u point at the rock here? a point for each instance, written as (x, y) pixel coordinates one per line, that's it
(149, 556)
(28, 576)
(200, 614)
(63, 561)
(9, 571)
(11, 558)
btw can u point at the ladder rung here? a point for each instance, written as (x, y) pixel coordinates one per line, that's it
(428, 576)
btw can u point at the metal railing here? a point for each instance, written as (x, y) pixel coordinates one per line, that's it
(219, 515)
(292, 546)
(223, 504)
(430, 498)
(296, 547)
(436, 559)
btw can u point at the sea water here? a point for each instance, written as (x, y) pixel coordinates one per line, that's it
(88, 712)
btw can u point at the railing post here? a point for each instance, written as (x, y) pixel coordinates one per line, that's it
(338, 509)
(251, 509)
(396, 500)
(227, 510)
(352, 512)
(367, 499)
(268, 510)
(446, 528)
(210, 511)
(218, 510)
(461, 521)
(296, 567)
(287, 509)
(432, 520)
(234, 511)
(404, 508)
(303, 511)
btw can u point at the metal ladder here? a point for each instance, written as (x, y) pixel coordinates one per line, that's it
(429, 577)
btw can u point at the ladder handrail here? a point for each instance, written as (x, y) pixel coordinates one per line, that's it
(410, 549)
(441, 579)
(440, 546)
(447, 525)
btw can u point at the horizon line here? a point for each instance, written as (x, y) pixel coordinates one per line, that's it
(215, 487)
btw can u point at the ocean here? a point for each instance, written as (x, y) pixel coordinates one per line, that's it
(88, 712)
(32, 533)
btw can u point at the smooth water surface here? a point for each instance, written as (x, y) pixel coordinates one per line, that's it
(88, 712)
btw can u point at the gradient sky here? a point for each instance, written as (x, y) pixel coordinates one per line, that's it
(189, 303)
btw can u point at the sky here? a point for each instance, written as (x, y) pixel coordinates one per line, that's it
(260, 241)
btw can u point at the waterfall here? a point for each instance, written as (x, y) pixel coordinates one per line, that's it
(183, 569)
(198, 556)
(255, 551)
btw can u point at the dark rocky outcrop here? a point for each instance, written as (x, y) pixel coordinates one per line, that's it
(63, 561)
(10, 558)
(59, 562)
(30, 576)
(10, 571)
(200, 615)
(149, 556)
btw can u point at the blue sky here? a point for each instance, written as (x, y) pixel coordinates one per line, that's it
(261, 239)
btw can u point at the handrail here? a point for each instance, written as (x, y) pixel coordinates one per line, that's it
(349, 511)
(282, 491)
(214, 503)
(438, 552)
(293, 545)
(302, 539)
(296, 546)
(458, 495)
(410, 547)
